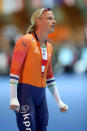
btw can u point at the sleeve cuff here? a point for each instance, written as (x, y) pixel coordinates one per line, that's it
(14, 101)
(61, 105)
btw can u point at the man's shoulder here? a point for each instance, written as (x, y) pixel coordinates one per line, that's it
(26, 40)
(27, 37)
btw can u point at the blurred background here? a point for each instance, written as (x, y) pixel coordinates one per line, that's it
(69, 59)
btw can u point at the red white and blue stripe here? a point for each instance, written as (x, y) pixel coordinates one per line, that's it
(14, 79)
(51, 82)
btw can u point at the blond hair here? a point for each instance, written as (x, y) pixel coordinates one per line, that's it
(35, 15)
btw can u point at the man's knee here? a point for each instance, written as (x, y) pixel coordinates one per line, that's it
(43, 119)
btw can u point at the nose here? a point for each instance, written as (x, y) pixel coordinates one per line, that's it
(54, 21)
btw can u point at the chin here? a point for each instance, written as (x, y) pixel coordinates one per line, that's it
(51, 31)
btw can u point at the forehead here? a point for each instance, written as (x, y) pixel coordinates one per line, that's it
(47, 13)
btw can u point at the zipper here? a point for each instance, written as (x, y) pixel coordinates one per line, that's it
(47, 61)
(42, 75)
(41, 57)
(41, 65)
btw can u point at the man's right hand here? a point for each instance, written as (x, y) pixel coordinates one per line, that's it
(15, 107)
(64, 109)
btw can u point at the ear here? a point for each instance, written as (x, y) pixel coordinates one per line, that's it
(38, 21)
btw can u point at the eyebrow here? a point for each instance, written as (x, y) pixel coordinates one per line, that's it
(49, 16)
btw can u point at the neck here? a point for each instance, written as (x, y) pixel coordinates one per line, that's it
(42, 36)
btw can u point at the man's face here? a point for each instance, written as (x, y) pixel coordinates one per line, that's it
(47, 21)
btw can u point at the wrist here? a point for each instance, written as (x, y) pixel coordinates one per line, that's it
(14, 101)
(61, 104)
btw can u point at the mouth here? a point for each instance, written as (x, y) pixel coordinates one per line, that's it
(53, 26)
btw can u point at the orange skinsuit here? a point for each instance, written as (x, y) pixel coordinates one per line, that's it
(29, 69)
(28, 81)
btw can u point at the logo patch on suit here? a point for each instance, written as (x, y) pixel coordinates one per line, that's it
(24, 109)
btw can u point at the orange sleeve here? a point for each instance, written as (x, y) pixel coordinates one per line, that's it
(19, 55)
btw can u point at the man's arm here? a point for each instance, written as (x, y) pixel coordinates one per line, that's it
(51, 84)
(19, 55)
